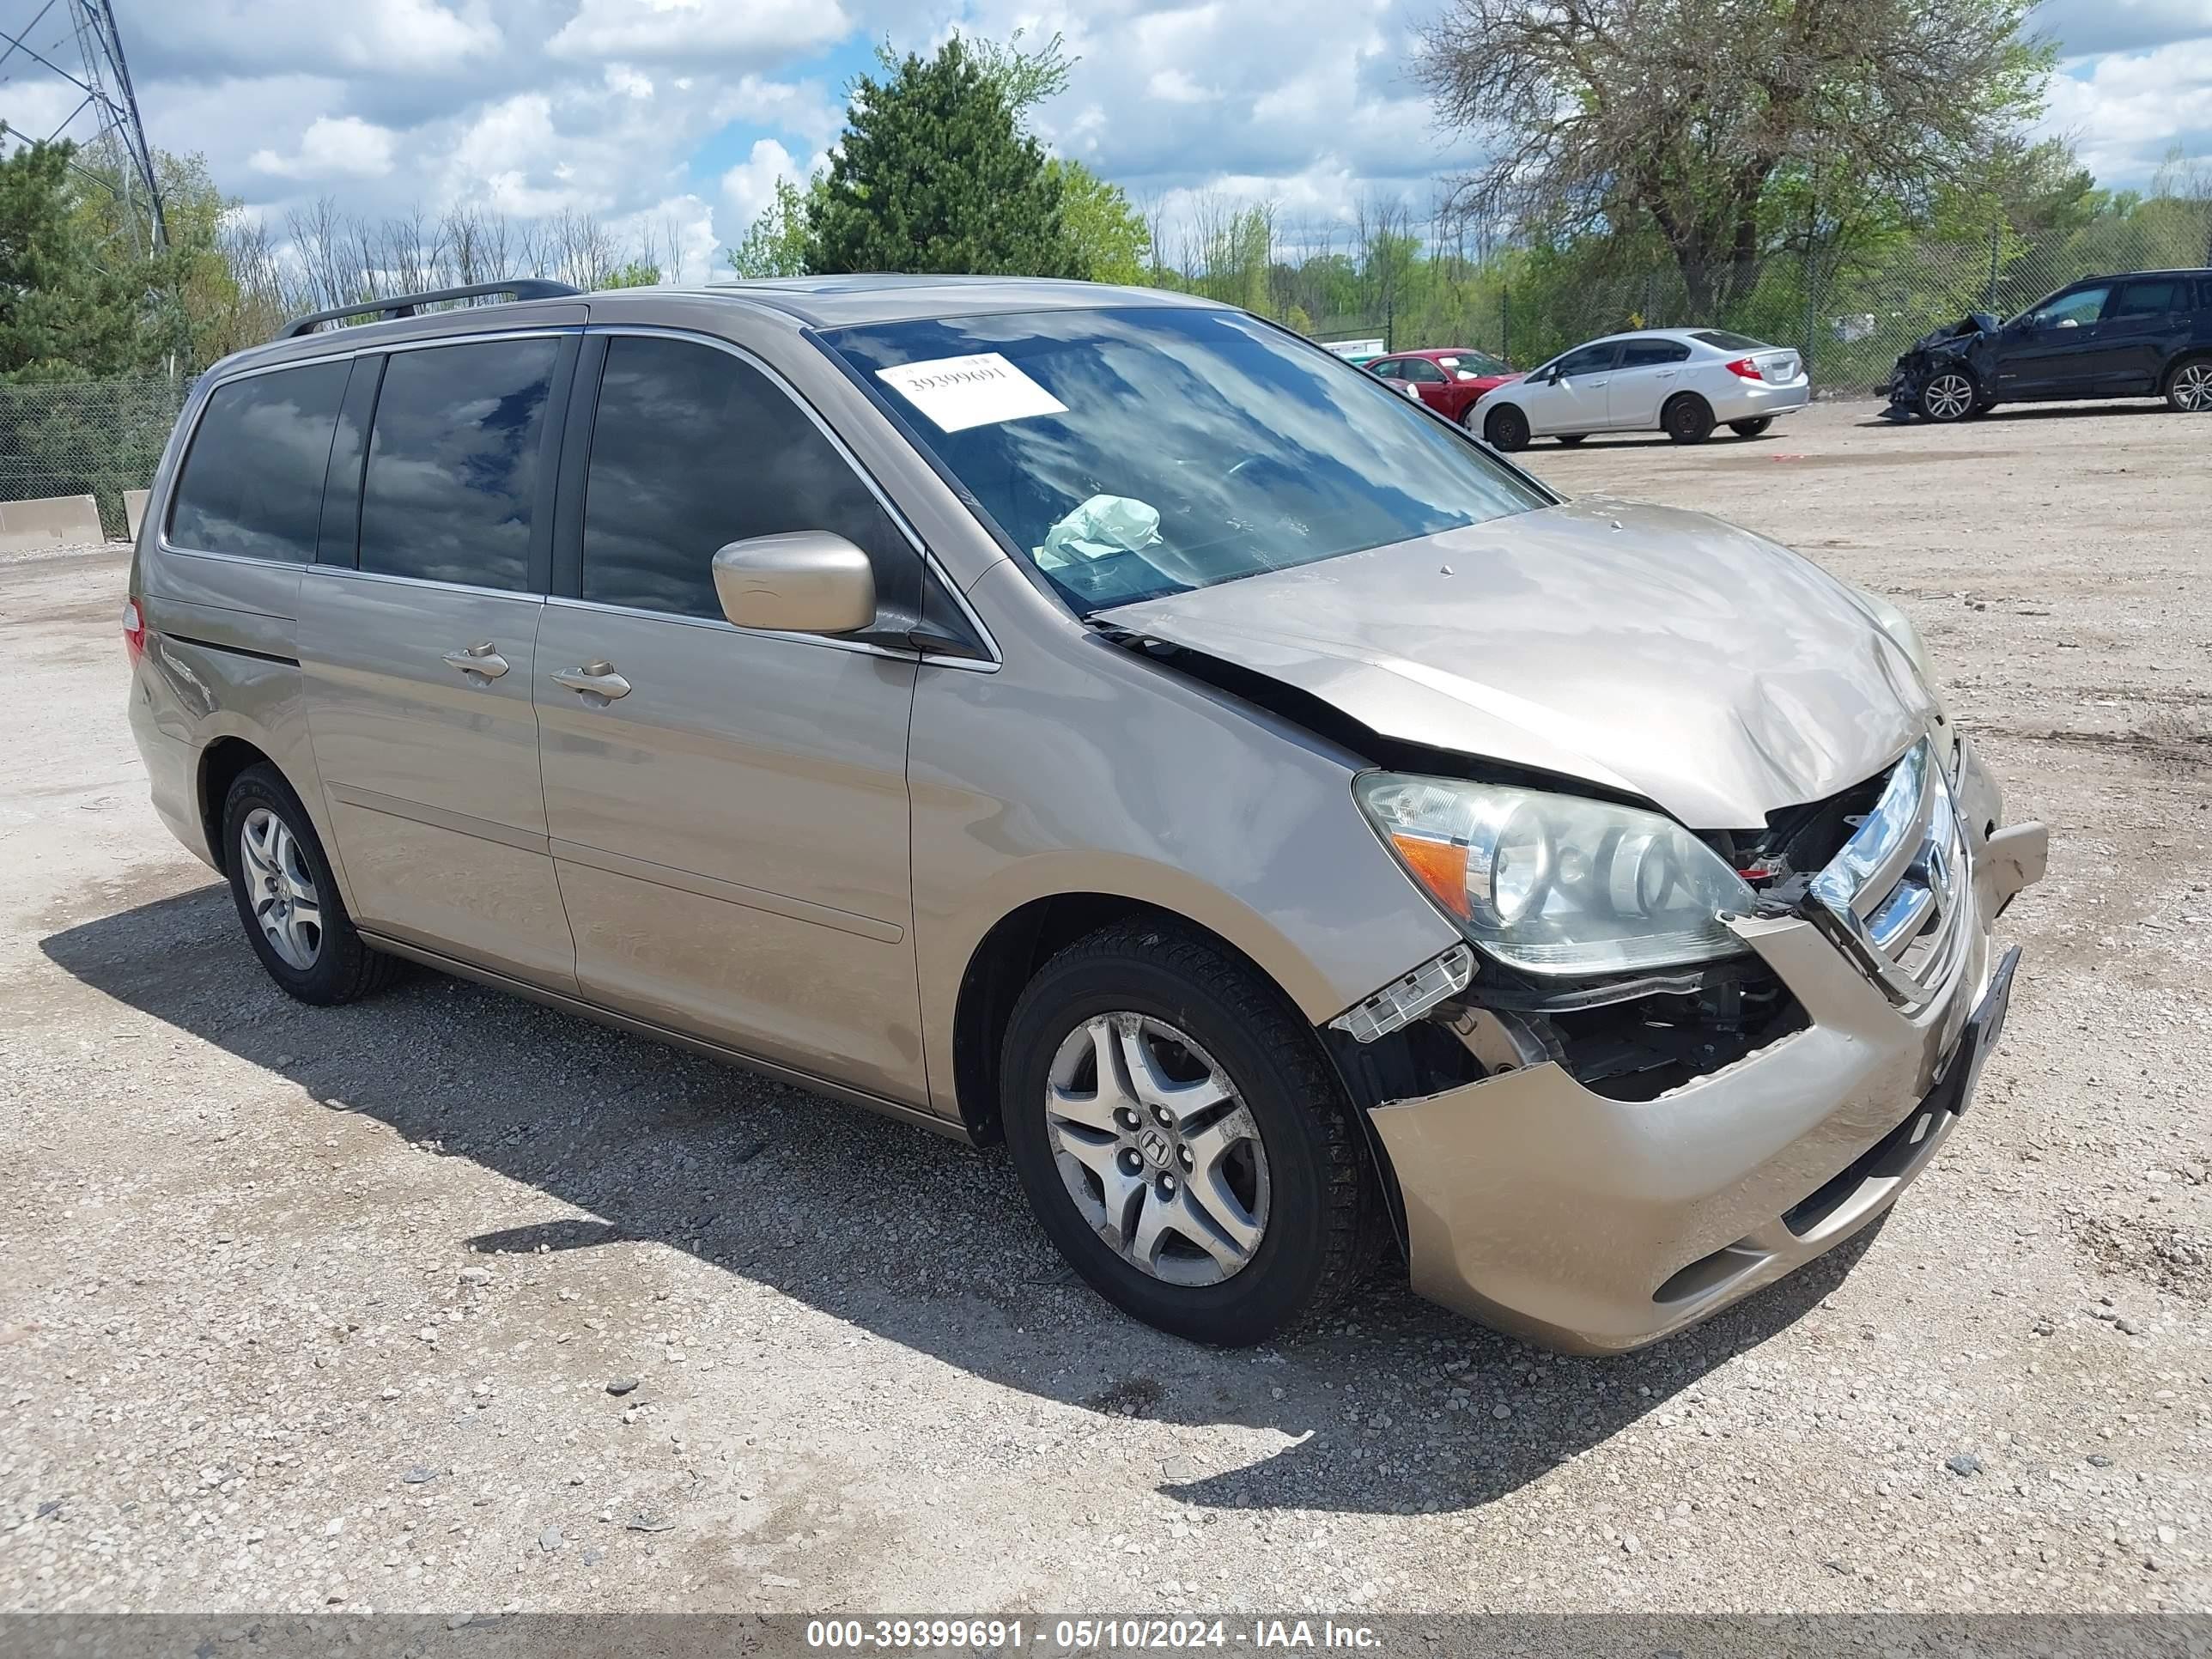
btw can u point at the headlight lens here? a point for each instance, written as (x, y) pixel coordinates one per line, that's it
(1556, 884)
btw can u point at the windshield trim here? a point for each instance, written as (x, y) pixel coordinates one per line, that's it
(1018, 555)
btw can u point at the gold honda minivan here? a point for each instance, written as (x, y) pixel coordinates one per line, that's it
(1101, 720)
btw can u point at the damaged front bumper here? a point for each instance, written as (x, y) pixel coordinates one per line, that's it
(1593, 1224)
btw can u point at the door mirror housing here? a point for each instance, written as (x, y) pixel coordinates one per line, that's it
(803, 582)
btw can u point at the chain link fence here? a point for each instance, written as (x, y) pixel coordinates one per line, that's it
(96, 438)
(1850, 315)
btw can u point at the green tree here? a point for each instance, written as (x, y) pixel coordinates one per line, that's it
(638, 273)
(774, 244)
(70, 309)
(1023, 78)
(1110, 242)
(1681, 116)
(930, 175)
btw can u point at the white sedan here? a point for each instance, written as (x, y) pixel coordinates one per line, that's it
(1681, 381)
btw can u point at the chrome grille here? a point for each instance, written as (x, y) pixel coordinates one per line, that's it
(1895, 897)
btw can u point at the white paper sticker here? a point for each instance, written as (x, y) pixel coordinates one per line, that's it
(958, 392)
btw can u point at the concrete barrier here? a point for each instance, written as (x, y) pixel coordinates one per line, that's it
(134, 510)
(57, 521)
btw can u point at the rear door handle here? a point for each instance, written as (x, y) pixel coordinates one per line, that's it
(597, 677)
(481, 658)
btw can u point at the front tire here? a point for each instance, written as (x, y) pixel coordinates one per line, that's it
(1687, 418)
(1751, 428)
(2188, 386)
(1949, 395)
(1182, 1139)
(286, 900)
(1505, 428)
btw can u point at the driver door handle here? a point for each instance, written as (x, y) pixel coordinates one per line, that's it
(599, 677)
(481, 658)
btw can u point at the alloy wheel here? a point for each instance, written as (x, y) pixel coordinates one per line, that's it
(1949, 396)
(2193, 388)
(281, 887)
(1157, 1149)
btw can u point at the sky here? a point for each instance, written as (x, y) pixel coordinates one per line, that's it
(677, 117)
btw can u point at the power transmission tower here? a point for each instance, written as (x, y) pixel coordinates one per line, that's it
(104, 121)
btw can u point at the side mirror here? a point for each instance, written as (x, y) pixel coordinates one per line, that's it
(804, 581)
(2068, 322)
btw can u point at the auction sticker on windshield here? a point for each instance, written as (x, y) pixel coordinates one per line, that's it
(981, 389)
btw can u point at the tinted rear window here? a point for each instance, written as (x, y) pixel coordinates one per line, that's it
(252, 484)
(453, 462)
(1727, 342)
(1650, 354)
(2156, 299)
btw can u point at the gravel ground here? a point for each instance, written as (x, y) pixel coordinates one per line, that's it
(448, 1302)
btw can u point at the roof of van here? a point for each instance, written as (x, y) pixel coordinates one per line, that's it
(846, 302)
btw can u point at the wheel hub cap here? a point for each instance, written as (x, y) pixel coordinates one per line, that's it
(1157, 1149)
(1949, 395)
(282, 888)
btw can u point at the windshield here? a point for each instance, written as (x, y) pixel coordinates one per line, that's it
(1727, 342)
(1473, 362)
(1148, 450)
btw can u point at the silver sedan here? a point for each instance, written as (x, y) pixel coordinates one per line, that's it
(1681, 381)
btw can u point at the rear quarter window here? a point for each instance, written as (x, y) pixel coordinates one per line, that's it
(252, 481)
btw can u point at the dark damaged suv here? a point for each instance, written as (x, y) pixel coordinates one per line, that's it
(2148, 335)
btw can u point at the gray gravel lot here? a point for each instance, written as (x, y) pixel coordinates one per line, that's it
(312, 1308)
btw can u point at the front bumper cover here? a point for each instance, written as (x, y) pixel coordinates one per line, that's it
(1593, 1225)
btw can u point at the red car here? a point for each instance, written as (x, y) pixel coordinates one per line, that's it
(1447, 378)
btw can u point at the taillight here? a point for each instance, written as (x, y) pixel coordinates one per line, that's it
(1746, 368)
(134, 631)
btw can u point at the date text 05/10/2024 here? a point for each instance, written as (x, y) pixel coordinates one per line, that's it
(1089, 1636)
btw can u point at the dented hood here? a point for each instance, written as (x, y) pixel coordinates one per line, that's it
(1659, 652)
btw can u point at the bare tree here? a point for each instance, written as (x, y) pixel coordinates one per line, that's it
(1682, 114)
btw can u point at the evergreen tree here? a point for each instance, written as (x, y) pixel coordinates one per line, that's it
(66, 312)
(931, 176)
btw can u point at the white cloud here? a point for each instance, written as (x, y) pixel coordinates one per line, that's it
(750, 186)
(413, 36)
(372, 39)
(1304, 102)
(347, 148)
(752, 31)
(2125, 111)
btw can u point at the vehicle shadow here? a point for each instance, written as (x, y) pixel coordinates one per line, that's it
(2038, 411)
(922, 1240)
(1722, 439)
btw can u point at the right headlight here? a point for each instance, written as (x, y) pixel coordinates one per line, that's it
(1558, 884)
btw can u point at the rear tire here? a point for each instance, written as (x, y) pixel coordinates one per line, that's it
(1687, 418)
(288, 902)
(1301, 1217)
(2188, 386)
(1505, 428)
(1570, 439)
(1751, 428)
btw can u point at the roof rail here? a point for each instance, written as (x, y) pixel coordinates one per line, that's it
(404, 304)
